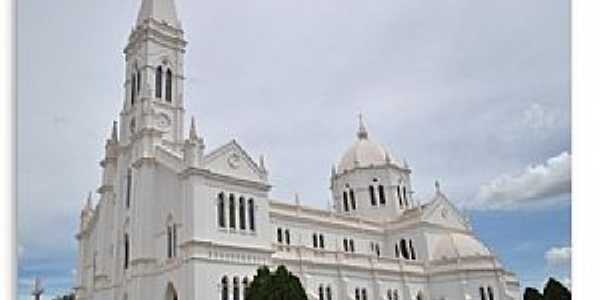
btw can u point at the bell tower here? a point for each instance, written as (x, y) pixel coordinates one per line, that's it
(153, 104)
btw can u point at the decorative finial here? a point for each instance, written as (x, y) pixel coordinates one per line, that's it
(437, 187)
(89, 201)
(362, 129)
(262, 162)
(193, 134)
(114, 135)
(333, 171)
(297, 199)
(388, 159)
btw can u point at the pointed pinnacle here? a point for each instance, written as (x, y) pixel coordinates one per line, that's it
(114, 136)
(89, 201)
(297, 199)
(193, 135)
(437, 186)
(262, 162)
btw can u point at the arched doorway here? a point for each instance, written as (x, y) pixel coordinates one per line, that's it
(171, 293)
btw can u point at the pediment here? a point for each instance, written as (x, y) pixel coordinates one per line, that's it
(232, 160)
(442, 212)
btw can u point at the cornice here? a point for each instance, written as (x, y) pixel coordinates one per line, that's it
(191, 171)
(144, 160)
(371, 167)
(213, 244)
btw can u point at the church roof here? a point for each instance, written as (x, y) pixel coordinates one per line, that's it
(364, 153)
(159, 10)
(457, 245)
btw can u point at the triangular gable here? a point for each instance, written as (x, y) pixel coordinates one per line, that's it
(442, 212)
(232, 160)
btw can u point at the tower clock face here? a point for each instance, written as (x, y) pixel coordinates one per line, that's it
(234, 160)
(163, 121)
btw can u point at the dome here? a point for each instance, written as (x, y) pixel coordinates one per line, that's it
(458, 245)
(364, 153)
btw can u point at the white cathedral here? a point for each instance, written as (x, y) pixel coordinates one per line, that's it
(174, 221)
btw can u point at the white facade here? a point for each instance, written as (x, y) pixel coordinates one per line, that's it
(174, 222)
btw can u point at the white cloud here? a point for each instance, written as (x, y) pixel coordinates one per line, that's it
(558, 256)
(539, 117)
(537, 185)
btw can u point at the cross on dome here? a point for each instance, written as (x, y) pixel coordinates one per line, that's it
(362, 129)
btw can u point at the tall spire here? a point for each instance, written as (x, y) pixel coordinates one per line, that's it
(362, 129)
(162, 11)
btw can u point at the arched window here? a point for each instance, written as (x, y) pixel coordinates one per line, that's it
(351, 245)
(389, 294)
(138, 83)
(377, 250)
(126, 251)
(482, 293)
(321, 293)
(321, 241)
(397, 250)
(169, 86)
(132, 86)
(158, 82)
(352, 200)
(242, 212)
(174, 241)
(381, 195)
(404, 196)
(245, 284)
(315, 241)
(396, 297)
(372, 195)
(399, 194)
(251, 214)
(171, 293)
(357, 294)
(413, 255)
(420, 296)
(404, 249)
(328, 293)
(128, 188)
(224, 288)
(345, 245)
(345, 202)
(221, 210)
(490, 293)
(364, 294)
(169, 242)
(287, 236)
(279, 235)
(236, 288)
(231, 211)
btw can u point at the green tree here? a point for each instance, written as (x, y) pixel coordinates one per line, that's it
(554, 290)
(70, 296)
(532, 294)
(278, 285)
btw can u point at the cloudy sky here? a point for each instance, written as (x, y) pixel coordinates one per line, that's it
(472, 93)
